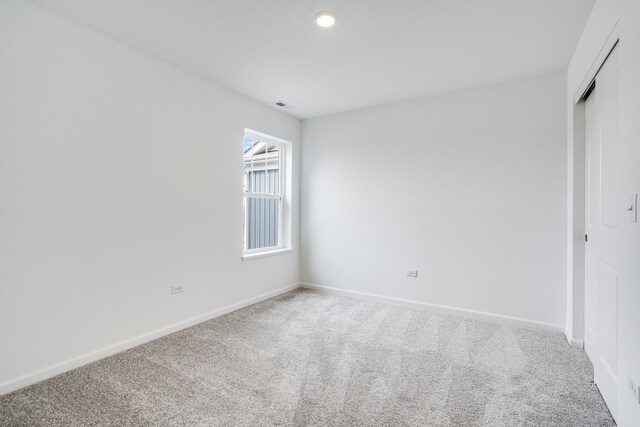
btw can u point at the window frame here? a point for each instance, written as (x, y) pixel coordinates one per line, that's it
(284, 213)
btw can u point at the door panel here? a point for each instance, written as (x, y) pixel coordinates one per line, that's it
(591, 304)
(593, 162)
(607, 109)
(607, 318)
(603, 211)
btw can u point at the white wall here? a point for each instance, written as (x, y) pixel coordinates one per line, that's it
(610, 20)
(119, 176)
(467, 187)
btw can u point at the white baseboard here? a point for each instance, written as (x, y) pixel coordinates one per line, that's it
(473, 314)
(76, 362)
(577, 343)
(67, 365)
(572, 341)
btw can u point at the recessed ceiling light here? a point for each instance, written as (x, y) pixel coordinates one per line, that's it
(325, 19)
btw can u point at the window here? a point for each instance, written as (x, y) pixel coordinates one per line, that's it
(266, 204)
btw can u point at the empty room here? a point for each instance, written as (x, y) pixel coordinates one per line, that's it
(319, 212)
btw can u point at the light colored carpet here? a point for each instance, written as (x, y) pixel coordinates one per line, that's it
(306, 358)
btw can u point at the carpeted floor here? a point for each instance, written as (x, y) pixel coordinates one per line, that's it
(306, 358)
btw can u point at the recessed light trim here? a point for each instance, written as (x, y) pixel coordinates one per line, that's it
(325, 19)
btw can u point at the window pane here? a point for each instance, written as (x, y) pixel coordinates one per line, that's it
(261, 167)
(262, 222)
(272, 163)
(248, 145)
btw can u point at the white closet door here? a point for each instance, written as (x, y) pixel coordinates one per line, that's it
(604, 211)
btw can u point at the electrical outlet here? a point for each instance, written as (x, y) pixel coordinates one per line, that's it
(412, 273)
(176, 289)
(632, 208)
(633, 389)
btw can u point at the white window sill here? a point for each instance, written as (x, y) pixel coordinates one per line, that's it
(247, 257)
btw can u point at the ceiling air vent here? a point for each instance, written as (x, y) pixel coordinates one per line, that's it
(283, 105)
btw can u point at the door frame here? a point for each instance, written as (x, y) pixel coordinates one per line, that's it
(576, 188)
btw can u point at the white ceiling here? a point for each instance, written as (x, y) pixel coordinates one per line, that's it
(380, 51)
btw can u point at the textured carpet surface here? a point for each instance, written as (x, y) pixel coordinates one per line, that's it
(306, 358)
